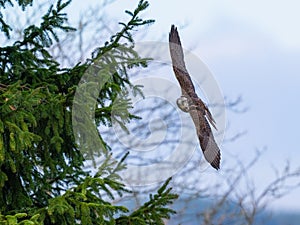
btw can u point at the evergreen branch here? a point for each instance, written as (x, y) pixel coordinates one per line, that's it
(135, 21)
(5, 28)
(153, 211)
(42, 179)
(53, 19)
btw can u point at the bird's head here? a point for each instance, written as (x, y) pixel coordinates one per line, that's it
(183, 104)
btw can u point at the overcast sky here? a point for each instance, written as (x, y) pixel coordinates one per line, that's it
(253, 50)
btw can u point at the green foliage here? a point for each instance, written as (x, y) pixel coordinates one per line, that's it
(5, 28)
(42, 180)
(153, 211)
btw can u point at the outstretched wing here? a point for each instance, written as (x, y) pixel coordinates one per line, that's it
(208, 144)
(199, 112)
(182, 75)
(179, 68)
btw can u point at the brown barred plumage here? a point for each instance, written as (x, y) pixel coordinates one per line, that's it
(198, 110)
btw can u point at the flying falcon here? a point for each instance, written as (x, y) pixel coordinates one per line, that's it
(190, 103)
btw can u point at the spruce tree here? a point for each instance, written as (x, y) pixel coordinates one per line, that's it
(42, 175)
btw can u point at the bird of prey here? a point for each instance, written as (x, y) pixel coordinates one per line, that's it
(190, 103)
